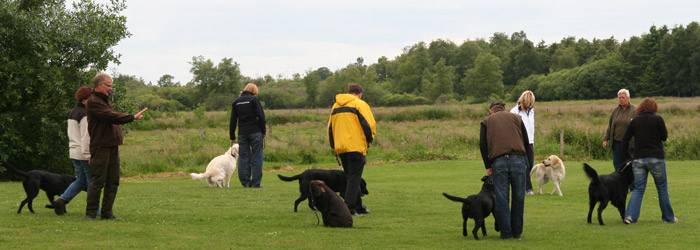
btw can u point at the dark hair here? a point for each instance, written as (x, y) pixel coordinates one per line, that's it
(648, 105)
(354, 88)
(82, 93)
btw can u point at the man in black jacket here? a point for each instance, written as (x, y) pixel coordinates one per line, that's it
(248, 114)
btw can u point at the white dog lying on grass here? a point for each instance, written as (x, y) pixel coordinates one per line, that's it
(220, 169)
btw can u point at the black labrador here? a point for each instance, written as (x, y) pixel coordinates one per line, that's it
(335, 179)
(608, 188)
(477, 207)
(333, 210)
(52, 184)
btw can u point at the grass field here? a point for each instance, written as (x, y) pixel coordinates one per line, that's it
(408, 212)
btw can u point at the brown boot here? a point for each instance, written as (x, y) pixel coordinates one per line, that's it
(59, 206)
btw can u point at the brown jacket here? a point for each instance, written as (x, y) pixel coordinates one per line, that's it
(502, 133)
(103, 122)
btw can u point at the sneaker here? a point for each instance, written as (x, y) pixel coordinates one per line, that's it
(675, 220)
(108, 217)
(363, 211)
(530, 192)
(627, 221)
(90, 217)
(59, 206)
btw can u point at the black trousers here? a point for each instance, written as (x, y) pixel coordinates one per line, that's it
(528, 182)
(104, 168)
(353, 165)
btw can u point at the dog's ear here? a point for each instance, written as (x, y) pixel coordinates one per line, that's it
(486, 177)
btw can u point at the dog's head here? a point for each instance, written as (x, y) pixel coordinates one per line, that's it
(552, 161)
(363, 188)
(317, 188)
(233, 151)
(487, 180)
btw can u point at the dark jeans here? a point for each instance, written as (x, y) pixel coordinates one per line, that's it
(528, 181)
(508, 173)
(353, 165)
(250, 159)
(618, 156)
(104, 168)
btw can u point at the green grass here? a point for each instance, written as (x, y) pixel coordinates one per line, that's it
(408, 212)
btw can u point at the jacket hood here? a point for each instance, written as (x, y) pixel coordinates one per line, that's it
(344, 99)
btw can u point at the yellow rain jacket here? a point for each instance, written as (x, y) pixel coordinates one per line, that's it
(351, 127)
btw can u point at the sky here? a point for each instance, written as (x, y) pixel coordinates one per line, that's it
(281, 38)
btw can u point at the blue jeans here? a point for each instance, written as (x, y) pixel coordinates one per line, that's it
(82, 181)
(250, 159)
(642, 168)
(618, 156)
(508, 172)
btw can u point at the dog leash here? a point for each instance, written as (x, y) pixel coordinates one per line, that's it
(313, 203)
(338, 161)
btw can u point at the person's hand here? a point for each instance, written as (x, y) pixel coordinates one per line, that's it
(233, 141)
(605, 145)
(264, 135)
(489, 171)
(369, 144)
(139, 114)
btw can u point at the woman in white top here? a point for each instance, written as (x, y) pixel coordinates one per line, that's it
(525, 109)
(79, 149)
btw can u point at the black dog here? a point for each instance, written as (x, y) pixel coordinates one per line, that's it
(477, 207)
(335, 179)
(333, 210)
(608, 188)
(52, 184)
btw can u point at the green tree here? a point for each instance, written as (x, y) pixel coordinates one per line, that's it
(167, 81)
(485, 79)
(215, 86)
(46, 53)
(441, 81)
(311, 84)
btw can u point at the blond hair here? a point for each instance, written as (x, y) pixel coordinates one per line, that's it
(252, 88)
(100, 79)
(526, 100)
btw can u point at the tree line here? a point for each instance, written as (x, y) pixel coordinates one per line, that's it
(663, 62)
(48, 50)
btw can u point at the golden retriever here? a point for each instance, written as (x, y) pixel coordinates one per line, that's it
(220, 169)
(552, 169)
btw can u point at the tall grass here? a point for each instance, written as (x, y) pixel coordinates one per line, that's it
(408, 212)
(185, 142)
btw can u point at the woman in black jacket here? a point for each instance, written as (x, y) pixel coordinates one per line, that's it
(248, 114)
(649, 132)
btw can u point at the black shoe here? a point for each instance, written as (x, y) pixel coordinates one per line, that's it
(108, 217)
(59, 206)
(363, 211)
(257, 187)
(90, 217)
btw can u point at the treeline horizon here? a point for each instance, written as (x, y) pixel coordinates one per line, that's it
(663, 62)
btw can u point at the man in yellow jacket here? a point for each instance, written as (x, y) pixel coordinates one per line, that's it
(351, 130)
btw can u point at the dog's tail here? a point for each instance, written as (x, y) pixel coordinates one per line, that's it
(533, 170)
(285, 178)
(201, 177)
(14, 169)
(591, 174)
(454, 198)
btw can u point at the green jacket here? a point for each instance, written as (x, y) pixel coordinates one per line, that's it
(611, 126)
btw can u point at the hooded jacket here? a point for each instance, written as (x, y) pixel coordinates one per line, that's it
(351, 127)
(248, 115)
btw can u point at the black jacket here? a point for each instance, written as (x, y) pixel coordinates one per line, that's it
(247, 113)
(649, 131)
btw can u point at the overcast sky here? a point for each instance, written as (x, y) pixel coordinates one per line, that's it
(286, 37)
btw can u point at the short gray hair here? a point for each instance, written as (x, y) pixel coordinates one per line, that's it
(624, 91)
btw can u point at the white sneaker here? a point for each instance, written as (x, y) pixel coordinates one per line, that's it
(530, 192)
(675, 220)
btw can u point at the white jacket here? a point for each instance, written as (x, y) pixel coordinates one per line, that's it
(78, 137)
(528, 119)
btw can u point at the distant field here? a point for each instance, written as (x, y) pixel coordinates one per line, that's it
(183, 142)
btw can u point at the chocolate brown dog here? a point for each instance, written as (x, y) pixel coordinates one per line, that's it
(333, 210)
(52, 184)
(477, 207)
